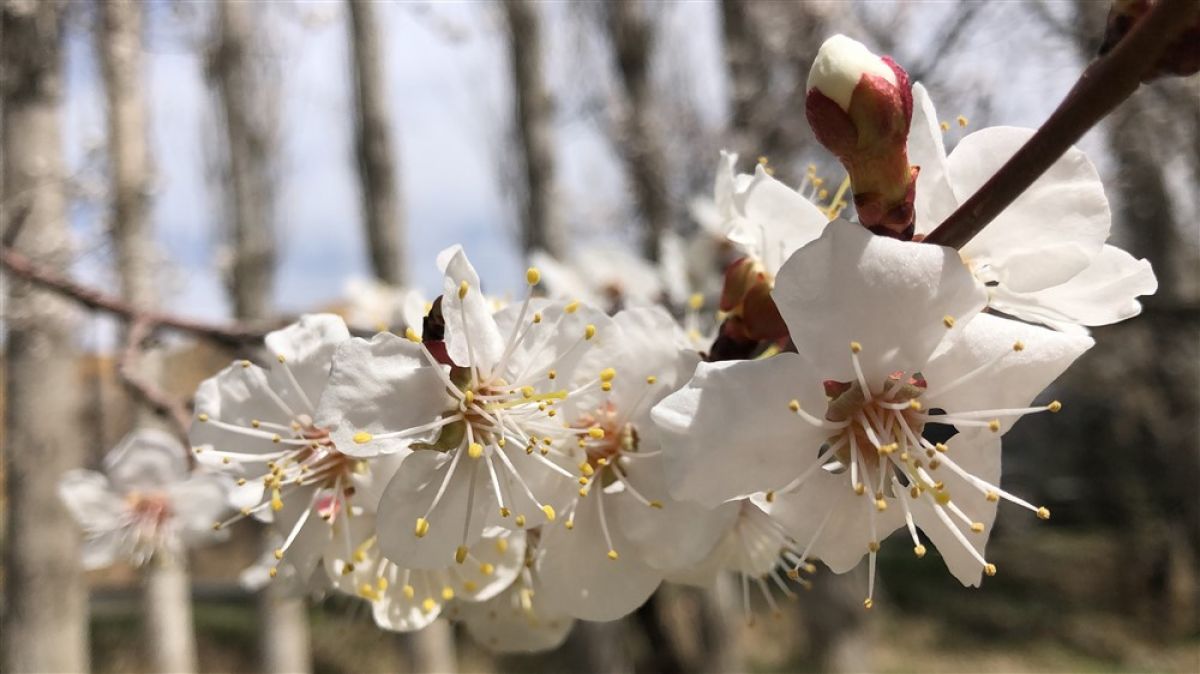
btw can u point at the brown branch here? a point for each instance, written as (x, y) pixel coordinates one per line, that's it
(159, 401)
(1102, 87)
(20, 266)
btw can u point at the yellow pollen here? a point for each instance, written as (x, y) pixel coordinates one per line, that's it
(409, 591)
(281, 358)
(469, 397)
(1018, 345)
(537, 317)
(278, 553)
(569, 524)
(868, 603)
(202, 417)
(273, 572)
(362, 437)
(612, 554)
(551, 374)
(255, 423)
(225, 459)
(948, 321)
(241, 481)
(855, 347)
(502, 545)
(589, 331)
(245, 363)
(657, 505)
(696, 301)
(411, 335)
(770, 496)
(532, 276)
(607, 374)
(994, 425)
(794, 405)
(520, 520)
(421, 528)
(487, 569)
(977, 527)
(470, 586)
(276, 439)
(880, 505)
(919, 551)
(940, 447)
(347, 569)
(276, 501)
(429, 604)
(474, 450)
(596, 433)
(527, 392)
(606, 386)
(583, 481)
(582, 493)
(962, 121)
(447, 593)
(992, 497)
(1043, 513)
(462, 289)
(651, 380)
(873, 546)
(989, 569)
(1054, 406)
(549, 510)
(505, 512)
(586, 469)
(860, 489)
(460, 554)
(572, 307)
(915, 404)
(945, 126)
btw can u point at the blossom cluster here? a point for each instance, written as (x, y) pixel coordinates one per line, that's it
(521, 467)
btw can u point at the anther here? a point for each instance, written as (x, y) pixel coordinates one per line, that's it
(520, 521)
(474, 450)
(281, 358)
(880, 505)
(1043, 513)
(651, 379)
(657, 505)
(533, 276)
(202, 417)
(794, 405)
(549, 511)
(411, 335)
(612, 554)
(501, 545)
(595, 432)
(919, 551)
(1018, 345)
(962, 121)
(460, 554)
(873, 546)
(462, 289)
(948, 321)
(589, 331)
(362, 437)
(505, 512)
(994, 425)
(571, 308)
(487, 569)
(860, 489)
(989, 569)
(1054, 406)
(422, 527)
(696, 301)
(607, 374)
(855, 347)
(868, 603)
(945, 126)
(977, 527)
(770, 496)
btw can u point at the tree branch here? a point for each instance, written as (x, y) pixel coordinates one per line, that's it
(1102, 87)
(20, 266)
(159, 401)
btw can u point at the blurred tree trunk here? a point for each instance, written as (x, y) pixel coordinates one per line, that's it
(45, 598)
(166, 596)
(749, 76)
(250, 151)
(244, 98)
(380, 180)
(541, 219)
(639, 138)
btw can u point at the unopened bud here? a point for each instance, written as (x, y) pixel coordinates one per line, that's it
(859, 106)
(746, 299)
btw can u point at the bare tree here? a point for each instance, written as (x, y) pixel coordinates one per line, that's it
(541, 219)
(166, 595)
(45, 599)
(639, 137)
(250, 150)
(245, 99)
(382, 202)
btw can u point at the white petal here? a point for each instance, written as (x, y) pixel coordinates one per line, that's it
(380, 386)
(934, 198)
(1015, 378)
(561, 281)
(1066, 205)
(315, 536)
(238, 395)
(90, 499)
(504, 625)
(306, 347)
(102, 549)
(580, 580)
(1105, 292)
(774, 220)
(408, 497)
(890, 296)
(471, 332)
(146, 459)
(198, 502)
(729, 433)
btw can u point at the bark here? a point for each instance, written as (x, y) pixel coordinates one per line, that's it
(250, 149)
(284, 641)
(639, 137)
(541, 218)
(749, 75)
(45, 613)
(432, 649)
(167, 616)
(378, 175)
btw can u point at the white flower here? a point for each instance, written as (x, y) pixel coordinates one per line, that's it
(621, 531)
(482, 416)
(257, 424)
(1044, 259)
(515, 621)
(145, 503)
(601, 276)
(405, 600)
(380, 307)
(887, 337)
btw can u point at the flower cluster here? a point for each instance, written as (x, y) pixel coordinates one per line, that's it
(519, 467)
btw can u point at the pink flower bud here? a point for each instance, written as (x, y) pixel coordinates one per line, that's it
(860, 106)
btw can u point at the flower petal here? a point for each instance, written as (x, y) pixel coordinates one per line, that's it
(90, 499)
(891, 297)
(728, 432)
(378, 387)
(301, 354)
(934, 198)
(472, 338)
(196, 503)
(516, 621)
(774, 220)
(146, 459)
(237, 396)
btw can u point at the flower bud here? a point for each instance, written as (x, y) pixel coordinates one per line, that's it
(1181, 58)
(746, 299)
(860, 106)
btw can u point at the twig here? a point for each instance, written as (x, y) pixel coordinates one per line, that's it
(234, 335)
(159, 401)
(1102, 87)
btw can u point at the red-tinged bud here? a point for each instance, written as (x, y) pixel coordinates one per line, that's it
(1181, 58)
(746, 299)
(860, 106)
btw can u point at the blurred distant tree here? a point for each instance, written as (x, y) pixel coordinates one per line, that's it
(541, 222)
(167, 606)
(639, 134)
(45, 600)
(382, 202)
(247, 99)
